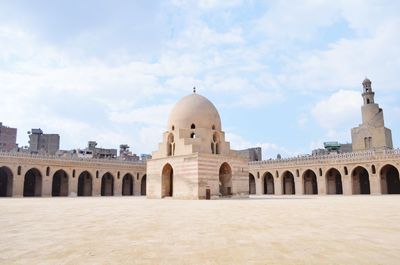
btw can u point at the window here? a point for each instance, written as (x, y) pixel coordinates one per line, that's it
(213, 127)
(192, 126)
(193, 135)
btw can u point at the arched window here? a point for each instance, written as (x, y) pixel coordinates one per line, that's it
(346, 171)
(193, 135)
(73, 173)
(97, 174)
(213, 127)
(47, 171)
(192, 126)
(170, 145)
(173, 127)
(373, 169)
(320, 172)
(19, 170)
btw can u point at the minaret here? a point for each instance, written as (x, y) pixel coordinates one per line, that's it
(371, 134)
(368, 94)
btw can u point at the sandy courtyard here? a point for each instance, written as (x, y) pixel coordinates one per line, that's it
(262, 230)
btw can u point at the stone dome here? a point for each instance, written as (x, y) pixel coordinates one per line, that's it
(194, 110)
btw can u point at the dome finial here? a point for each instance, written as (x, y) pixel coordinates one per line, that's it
(194, 90)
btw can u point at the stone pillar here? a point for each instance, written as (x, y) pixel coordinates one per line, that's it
(47, 185)
(347, 184)
(374, 184)
(298, 186)
(321, 183)
(18, 185)
(278, 186)
(118, 184)
(96, 188)
(72, 183)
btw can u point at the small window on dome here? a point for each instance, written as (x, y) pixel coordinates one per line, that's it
(173, 127)
(192, 126)
(193, 135)
(213, 127)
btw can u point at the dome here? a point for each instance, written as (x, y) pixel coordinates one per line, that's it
(194, 110)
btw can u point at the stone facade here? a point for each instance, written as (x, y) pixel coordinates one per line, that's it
(194, 161)
(37, 175)
(372, 133)
(8, 138)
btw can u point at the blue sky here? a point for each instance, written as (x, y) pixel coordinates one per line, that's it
(284, 75)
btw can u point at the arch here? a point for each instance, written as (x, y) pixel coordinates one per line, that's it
(310, 183)
(32, 183)
(170, 145)
(143, 186)
(107, 184)
(390, 182)
(85, 184)
(360, 181)
(193, 126)
(6, 182)
(333, 182)
(225, 179)
(167, 181)
(127, 185)
(59, 185)
(288, 183)
(252, 184)
(268, 183)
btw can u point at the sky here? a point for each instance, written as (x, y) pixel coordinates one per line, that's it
(284, 75)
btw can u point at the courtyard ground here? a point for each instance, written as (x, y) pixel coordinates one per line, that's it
(261, 230)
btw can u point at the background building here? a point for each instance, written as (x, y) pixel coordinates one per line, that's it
(43, 143)
(8, 138)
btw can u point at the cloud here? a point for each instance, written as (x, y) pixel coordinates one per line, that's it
(339, 110)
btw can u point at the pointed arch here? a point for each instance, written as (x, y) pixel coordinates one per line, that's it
(59, 185)
(288, 186)
(127, 185)
(268, 183)
(6, 182)
(252, 184)
(360, 181)
(333, 180)
(143, 186)
(85, 181)
(310, 184)
(167, 181)
(33, 183)
(107, 184)
(390, 182)
(225, 179)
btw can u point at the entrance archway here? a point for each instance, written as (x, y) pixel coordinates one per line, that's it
(333, 182)
(360, 180)
(127, 185)
(60, 184)
(268, 181)
(390, 183)
(143, 186)
(310, 184)
(252, 184)
(85, 184)
(33, 183)
(167, 181)
(288, 183)
(6, 182)
(107, 184)
(225, 180)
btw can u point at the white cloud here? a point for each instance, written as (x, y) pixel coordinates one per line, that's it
(340, 110)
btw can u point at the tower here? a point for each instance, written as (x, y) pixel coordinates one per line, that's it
(372, 133)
